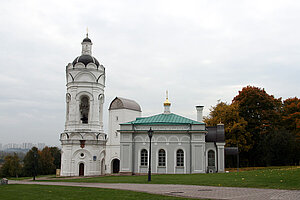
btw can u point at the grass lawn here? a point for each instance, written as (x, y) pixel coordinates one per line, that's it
(275, 178)
(64, 192)
(26, 178)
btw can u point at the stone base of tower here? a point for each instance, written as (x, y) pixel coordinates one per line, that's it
(83, 154)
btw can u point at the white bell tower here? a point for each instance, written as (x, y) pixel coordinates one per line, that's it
(83, 141)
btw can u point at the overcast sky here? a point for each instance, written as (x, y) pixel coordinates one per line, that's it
(201, 51)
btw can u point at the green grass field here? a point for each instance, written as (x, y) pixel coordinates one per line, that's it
(27, 178)
(24, 192)
(275, 178)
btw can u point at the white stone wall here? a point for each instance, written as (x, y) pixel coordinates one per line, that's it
(169, 138)
(89, 81)
(73, 155)
(116, 117)
(83, 81)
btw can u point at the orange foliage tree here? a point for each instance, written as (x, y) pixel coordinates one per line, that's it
(235, 126)
(291, 115)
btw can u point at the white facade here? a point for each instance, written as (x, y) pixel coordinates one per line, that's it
(88, 151)
(179, 145)
(120, 111)
(83, 141)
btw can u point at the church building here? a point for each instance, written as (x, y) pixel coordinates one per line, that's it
(179, 145)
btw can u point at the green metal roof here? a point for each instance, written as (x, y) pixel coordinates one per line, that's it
(163, 119)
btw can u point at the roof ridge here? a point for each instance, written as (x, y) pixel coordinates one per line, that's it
(164, 118)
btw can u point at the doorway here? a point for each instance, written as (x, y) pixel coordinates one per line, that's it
(81, 169)
(115, 166)
(103, 167)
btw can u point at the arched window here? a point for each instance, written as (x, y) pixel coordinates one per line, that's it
(211, 158)
(161, 158)
(84, 109)
(179, 158)
(144, 157)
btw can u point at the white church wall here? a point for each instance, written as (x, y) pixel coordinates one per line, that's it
(126, 150)
(83, 141)
(116, 117)
(168, 142)
(198, 157)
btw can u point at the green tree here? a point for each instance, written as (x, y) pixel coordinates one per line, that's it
(11, 166)
(56, 153)
(46, 165)
(282, 147)
(30, 167)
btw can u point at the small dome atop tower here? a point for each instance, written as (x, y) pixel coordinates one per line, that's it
(86, 53)
(86, 59)
(167, 104)
(87, 39)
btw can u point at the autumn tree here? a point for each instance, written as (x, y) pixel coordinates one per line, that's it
(291, 121)
(235, 126)
(291, 115)
(259, 109)
(264, 128)
(11, 166)
(263, 115)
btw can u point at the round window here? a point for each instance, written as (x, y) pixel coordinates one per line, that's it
(82, 154)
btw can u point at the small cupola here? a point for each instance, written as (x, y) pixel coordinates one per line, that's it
(167, 104)
(86, 53)
(86, 45)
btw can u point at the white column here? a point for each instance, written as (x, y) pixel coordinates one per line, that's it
(221, 160)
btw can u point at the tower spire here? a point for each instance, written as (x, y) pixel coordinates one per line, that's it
(86, 44)
(167, 104)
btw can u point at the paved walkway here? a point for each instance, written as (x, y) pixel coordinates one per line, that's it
(190, 191)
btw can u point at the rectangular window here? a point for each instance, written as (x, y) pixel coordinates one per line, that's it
(144, 157)
(180, 158)
(161, 158)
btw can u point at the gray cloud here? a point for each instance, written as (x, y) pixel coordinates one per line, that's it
(201, 51)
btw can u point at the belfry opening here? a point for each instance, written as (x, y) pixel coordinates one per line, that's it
(84, 109)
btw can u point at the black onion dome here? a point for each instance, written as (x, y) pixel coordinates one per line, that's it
(86, 59)
(87, 40)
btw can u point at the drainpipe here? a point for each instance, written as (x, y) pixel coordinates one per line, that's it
(191, 159)
(216, 157)
(132, 153)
